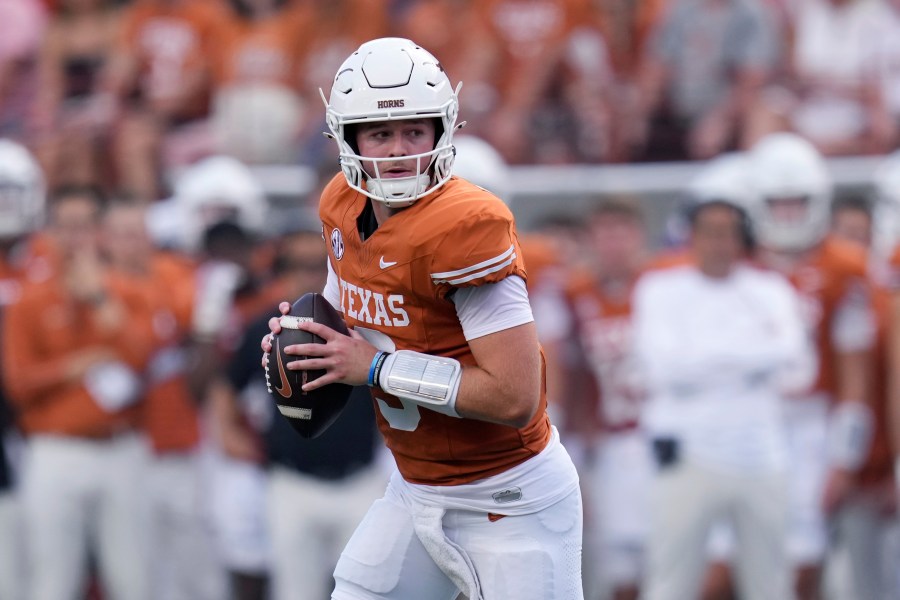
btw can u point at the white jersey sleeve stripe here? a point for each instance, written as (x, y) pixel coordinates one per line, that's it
(448, 275)
(483, 273)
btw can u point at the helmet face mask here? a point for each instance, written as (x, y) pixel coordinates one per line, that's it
(391, 79)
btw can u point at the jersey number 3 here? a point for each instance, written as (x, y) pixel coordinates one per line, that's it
(405, 418)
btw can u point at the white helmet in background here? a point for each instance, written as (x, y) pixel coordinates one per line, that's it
(886, 209)
(480, 163)
(792, 192)
(392, 79)
(723, 179)
(216, 189)
(22, 191)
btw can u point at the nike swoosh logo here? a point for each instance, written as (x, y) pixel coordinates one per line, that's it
(285, 388)
(385, 265)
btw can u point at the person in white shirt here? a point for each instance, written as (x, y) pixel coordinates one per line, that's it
(719, 343)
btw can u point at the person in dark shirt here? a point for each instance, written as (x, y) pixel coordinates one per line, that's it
(335, 476)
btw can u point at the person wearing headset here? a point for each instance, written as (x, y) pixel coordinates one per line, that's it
(719, 344)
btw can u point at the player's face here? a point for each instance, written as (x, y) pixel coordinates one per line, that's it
(125, 240)
(716, 240)
(618, 242)
(853, 225)
(396, 139)
(75, 225)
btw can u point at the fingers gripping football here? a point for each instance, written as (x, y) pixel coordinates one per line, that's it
(344, 358)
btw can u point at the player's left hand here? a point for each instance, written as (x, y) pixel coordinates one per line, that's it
(345, 358)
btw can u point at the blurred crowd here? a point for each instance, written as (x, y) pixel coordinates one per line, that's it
(122, 91)
(139, 262)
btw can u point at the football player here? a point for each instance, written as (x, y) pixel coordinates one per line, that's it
(829, 426)
(71, 363)
(427, 269)
(22, 198)
(606, 423)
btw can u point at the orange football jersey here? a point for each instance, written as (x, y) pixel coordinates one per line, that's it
(603, 324)
(879, 464)
(171, 416)
(398, 282)
(836, 268)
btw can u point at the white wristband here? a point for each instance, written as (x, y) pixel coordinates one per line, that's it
(849, 434)
(430, 381)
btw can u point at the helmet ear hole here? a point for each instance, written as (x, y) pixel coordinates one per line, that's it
(350, 136)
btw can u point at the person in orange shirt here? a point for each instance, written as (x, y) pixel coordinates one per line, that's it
(158, 89)
(72, 364)
(427, 270)
(604, 418)
(257, 104)
(867, 520)
(542, 76)
(829, 426)
(182, 559)
(22, 259)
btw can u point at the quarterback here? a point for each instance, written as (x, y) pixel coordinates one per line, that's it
(428, 273)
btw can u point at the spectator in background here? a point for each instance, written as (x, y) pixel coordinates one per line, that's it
(238, 478)
(624, 28)
(605, 420)
(548, 72)
(182, 559)
(340, 27)
(22, 26)
(446, 27)
(700, 79)
(21, 212)
(257, 110)
(160, 85)
(73, 348)
(719, 344)
(831, 93)
(830, 423)
(73, 129)
(867, 522)
(224, 212)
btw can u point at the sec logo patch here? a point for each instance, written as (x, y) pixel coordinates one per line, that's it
(337, 243)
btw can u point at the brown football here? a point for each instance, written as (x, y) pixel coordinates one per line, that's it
(309, 413)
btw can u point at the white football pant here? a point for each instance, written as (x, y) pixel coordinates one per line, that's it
(79, 494)
(687, 500)
(530, 557)
(184, 562)
(310, 522)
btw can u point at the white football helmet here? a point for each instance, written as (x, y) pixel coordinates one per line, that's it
(215, 189)
(391, 79)
(886, 210)
(792, 192)
(22, 191)
(480, 163)
(723, 179)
